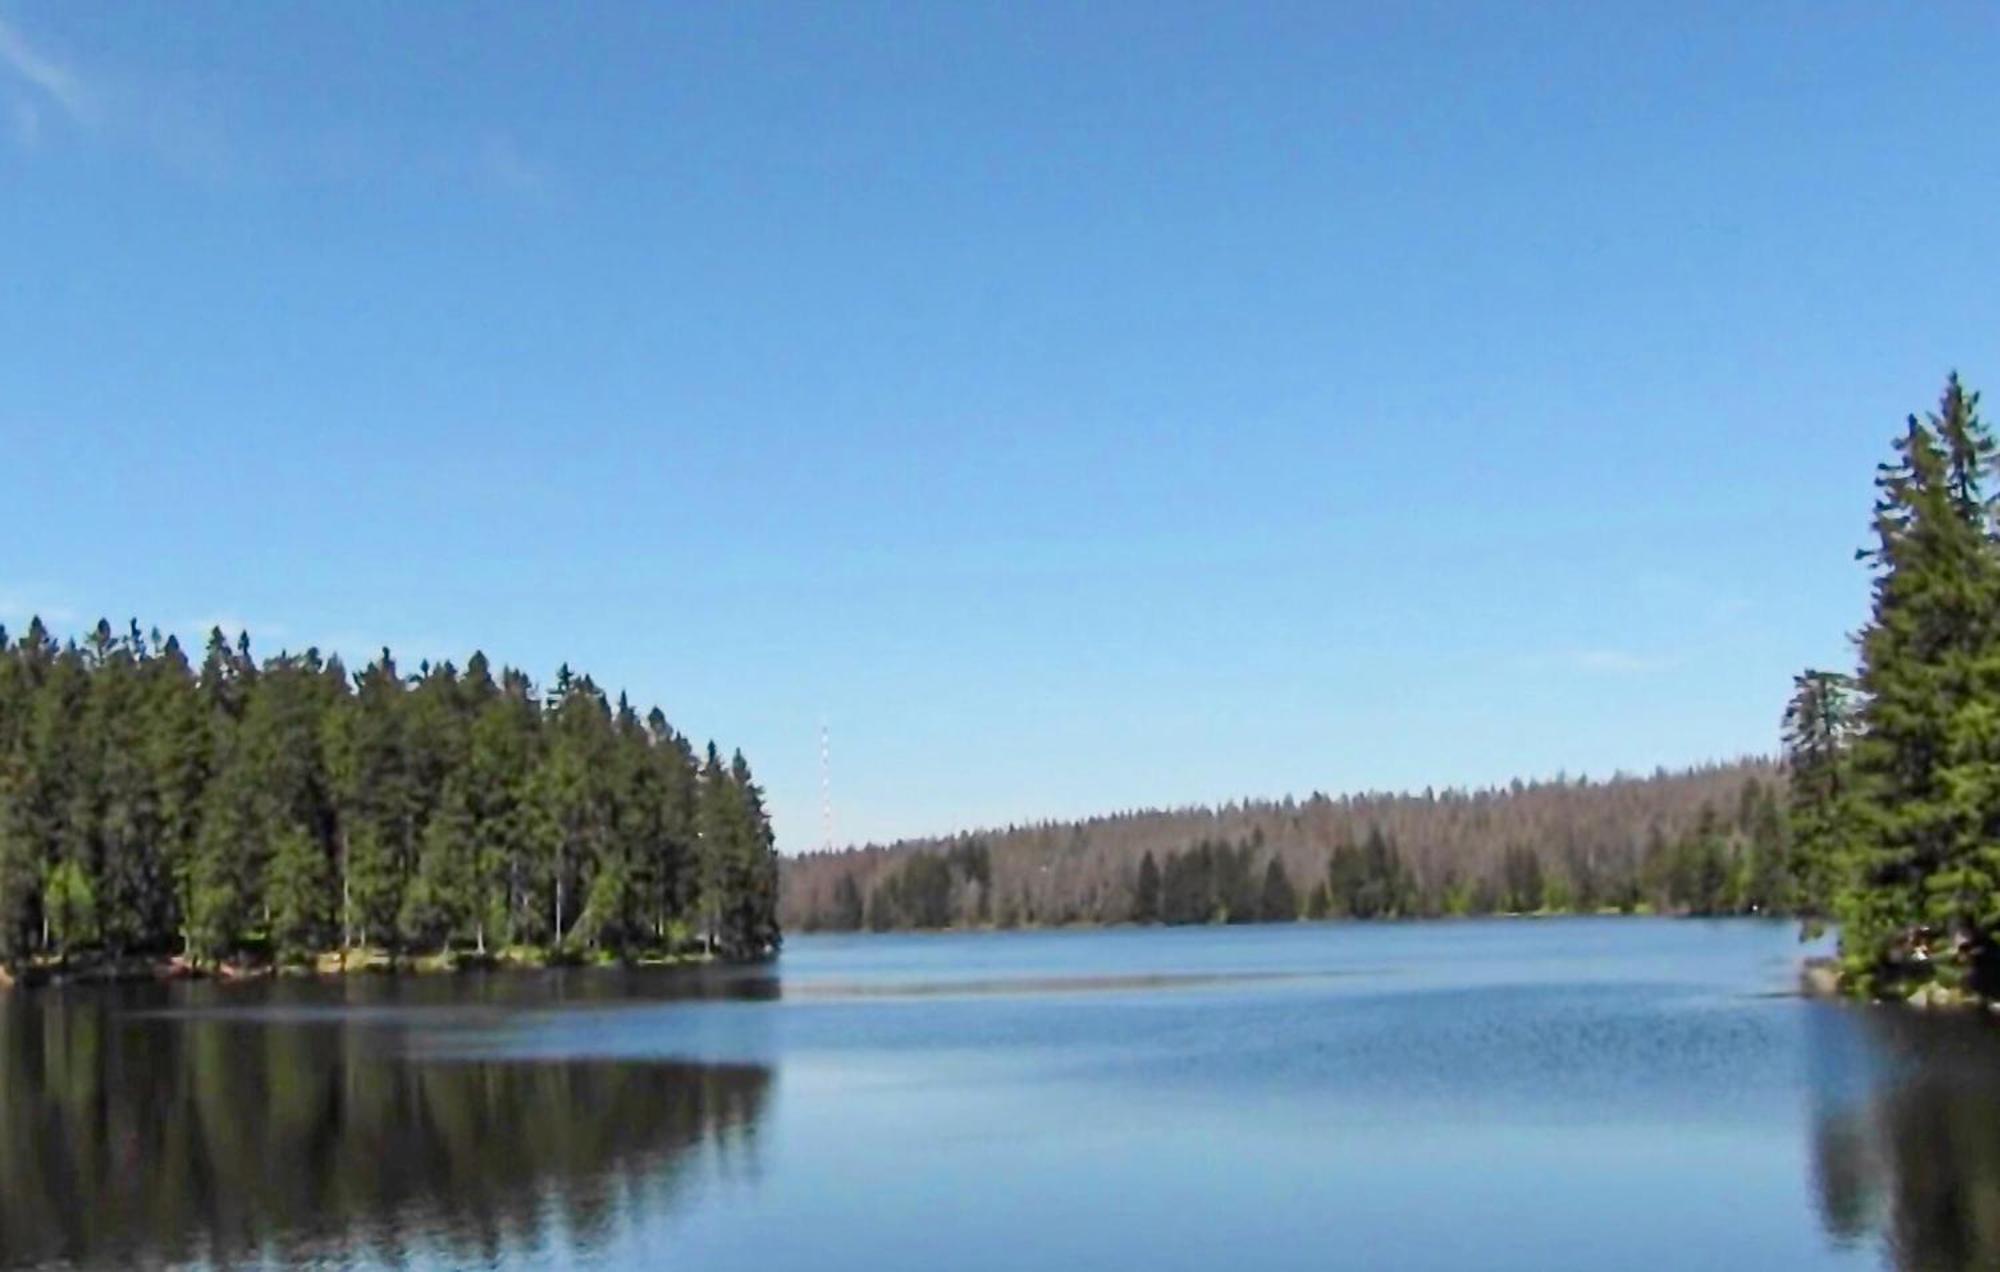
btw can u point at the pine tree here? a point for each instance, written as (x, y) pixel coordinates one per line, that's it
(718, 820)
(848, 911)
(1925, 777)
(753, 911)
(128, 869)
(440, 902)
(71, 906)
(1146, 893)
(20, 876)
(572, 798)
(1819, 731)
(299, 895)
(1280, 902)
(500, 767)
(286, 806)
(179, 739)
(376, 825)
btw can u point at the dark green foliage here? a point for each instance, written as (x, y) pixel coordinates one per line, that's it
(1212, 882)
(1699, 877)
(929, 888)
(1280, 901)
(1819, 730)
(1369, 881)
(848, 910)
(1526, 886)
(1146, 892)
(739, 861)
(1896, 807)
(288, 808)
(299, 893)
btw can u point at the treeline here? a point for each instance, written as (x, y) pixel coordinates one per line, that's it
(1896, 767)
(1709, 840)
(284, 809)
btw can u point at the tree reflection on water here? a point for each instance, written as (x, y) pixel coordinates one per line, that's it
(1912, 1158)
(156, 1138)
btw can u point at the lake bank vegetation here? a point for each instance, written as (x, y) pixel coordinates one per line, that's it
(1895, 766)
(1707, 840)
(240, 815)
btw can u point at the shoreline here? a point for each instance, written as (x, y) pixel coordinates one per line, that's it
(1822, 977)
(1124, 925)
(329, 965)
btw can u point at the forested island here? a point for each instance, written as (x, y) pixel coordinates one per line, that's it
(1709, 840)
(1895, 793)
(242, 815)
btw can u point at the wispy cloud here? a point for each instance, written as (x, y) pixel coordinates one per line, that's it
(1620, 661)
(178, 124)
(41, 93)
(49, 78)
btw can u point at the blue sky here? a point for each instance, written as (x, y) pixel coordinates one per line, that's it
(1078, 406)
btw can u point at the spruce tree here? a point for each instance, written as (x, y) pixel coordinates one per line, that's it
(1818, 731)
(299, 895)
(753, 925)
(179, 740)
(1146, 893)
(1925, 776)
(1280, 901)
(286, 806)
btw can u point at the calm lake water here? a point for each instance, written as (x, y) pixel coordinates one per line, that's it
(1515, 1095)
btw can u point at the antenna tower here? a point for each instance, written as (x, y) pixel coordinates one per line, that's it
(825, 787)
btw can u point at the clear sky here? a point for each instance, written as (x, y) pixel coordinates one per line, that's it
(1078, 406)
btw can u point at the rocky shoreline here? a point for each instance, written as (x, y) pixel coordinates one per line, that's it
(1822, 978)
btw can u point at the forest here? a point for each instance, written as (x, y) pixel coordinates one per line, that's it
(245, 813)
(1895, 792)
(1709, 840)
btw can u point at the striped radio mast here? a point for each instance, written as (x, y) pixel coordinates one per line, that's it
(825, 787)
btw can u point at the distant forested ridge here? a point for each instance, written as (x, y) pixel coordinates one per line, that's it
(1895, 800)
(283, 809)
(1707, 840)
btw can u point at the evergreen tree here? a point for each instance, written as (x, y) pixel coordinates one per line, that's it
(752, 908)
(1925, 775)
(572, 798)
(179, 740)
(71, 906)
(716, 853)
(1819, 729)
(377, 825)
(1526, 883)
(299, 894)
(847, 906)
(126, 812)
(1146, 893)
(501, 761)
(1280, 901)
(1319, 901)
(285, 807)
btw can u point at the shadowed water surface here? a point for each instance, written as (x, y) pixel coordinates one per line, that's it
(1516, 1095)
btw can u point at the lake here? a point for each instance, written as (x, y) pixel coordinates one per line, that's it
(1571, 1093)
